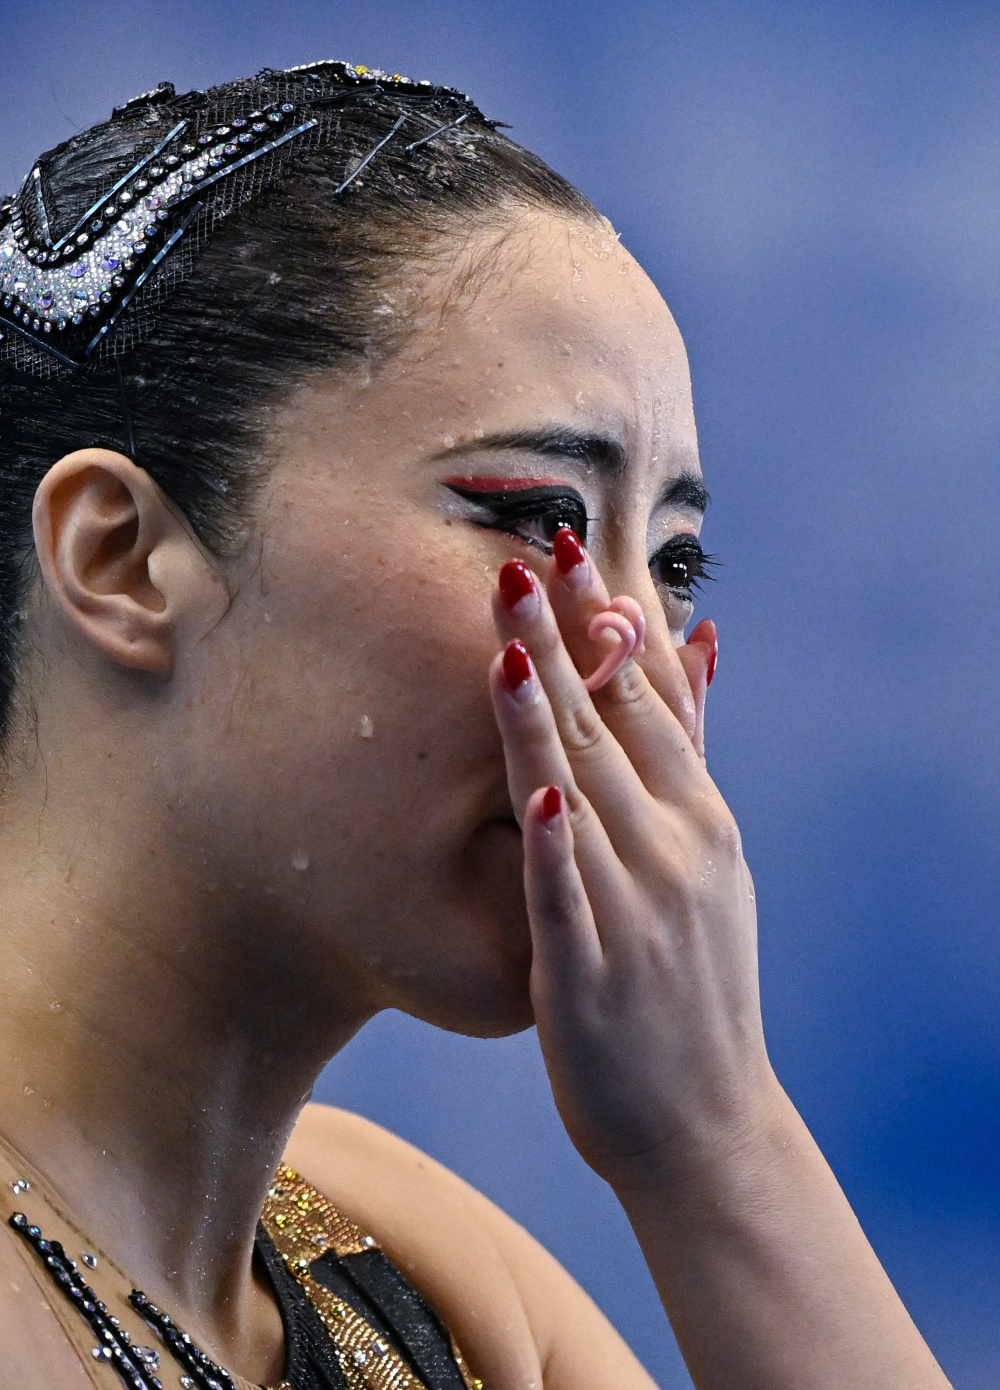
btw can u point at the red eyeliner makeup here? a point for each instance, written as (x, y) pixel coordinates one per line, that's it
(502, 484)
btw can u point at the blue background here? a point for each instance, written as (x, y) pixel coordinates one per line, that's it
(815, 189)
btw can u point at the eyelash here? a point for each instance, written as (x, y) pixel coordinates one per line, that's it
(553, 508)
(683, 555)
(681, 561)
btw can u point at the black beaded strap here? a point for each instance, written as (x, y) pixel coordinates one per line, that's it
(201, 1371)
(135, 1365)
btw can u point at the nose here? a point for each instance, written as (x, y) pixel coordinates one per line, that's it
(624, 565)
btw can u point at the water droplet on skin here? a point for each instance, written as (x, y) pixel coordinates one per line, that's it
(367, 726)
(300, 860)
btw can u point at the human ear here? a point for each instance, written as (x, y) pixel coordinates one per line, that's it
(120, 561)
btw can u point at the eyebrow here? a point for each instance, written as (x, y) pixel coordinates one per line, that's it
(601, 451)
(686, 490)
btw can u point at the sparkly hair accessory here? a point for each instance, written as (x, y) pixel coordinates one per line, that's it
(71, 296)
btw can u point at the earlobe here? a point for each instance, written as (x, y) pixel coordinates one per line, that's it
(116, 559)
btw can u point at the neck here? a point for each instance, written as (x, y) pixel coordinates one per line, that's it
(157, 1046)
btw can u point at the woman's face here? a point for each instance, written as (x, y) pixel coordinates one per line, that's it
(341, 752)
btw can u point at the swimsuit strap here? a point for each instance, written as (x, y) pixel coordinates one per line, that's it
(352, 1321)
(387, 1337)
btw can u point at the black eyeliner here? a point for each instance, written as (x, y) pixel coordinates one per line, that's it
(546, 501)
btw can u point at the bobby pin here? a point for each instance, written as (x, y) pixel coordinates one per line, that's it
(435, 133)
(369, 157)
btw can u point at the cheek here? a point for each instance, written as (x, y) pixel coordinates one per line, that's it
(370, 672)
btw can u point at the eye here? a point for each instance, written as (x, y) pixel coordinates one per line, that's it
(681, 564)
(532, 514)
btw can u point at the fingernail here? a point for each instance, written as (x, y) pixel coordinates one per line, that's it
(552, 803)
(712, 661)
(517, 668)
(567, 550)
(516, 582)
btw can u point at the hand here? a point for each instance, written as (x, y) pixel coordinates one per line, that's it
(644, 974)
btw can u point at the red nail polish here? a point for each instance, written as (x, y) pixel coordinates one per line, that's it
(516, 582)
(712, 660)
(552, 803)
(516, 665)
(567, 550)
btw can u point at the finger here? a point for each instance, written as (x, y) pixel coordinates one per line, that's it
(578, 594)
(564, 935)
(522, 612)
(532, 746)
(659, 748)
(618, 781)
(699, 656)
(536, 757)
(659, 758)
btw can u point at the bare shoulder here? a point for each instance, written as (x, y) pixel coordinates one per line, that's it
(521, 1320)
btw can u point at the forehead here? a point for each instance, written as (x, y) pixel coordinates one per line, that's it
(545, 322)
(558, 314)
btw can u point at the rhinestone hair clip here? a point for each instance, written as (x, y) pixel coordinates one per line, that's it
(90, 275)
(66, 295)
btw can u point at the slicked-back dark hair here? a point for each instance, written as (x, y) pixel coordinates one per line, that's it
(273, 280)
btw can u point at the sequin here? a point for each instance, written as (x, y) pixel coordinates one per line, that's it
(48, 277)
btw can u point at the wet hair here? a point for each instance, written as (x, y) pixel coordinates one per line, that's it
(295, 272)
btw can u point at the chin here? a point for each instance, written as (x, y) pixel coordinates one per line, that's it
(480, 979)
(483, 1012)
